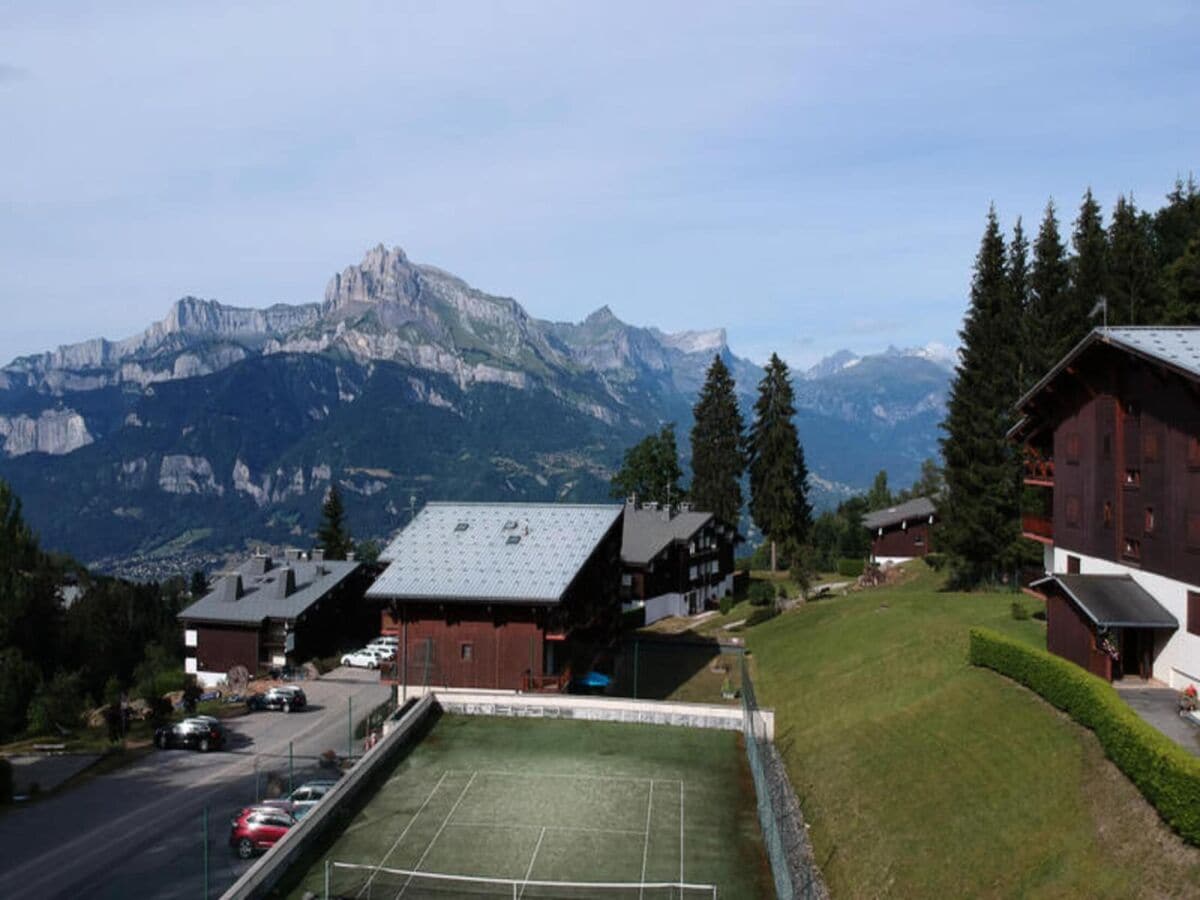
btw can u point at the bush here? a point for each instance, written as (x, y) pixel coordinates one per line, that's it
(633, 619)
(726, 604)
(935, 561)
(1019, 612)
(58, 703)
(760, 593)
(1166, 774)
(781, 592)
(850, 568)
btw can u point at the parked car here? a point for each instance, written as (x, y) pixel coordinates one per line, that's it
(361, 659)
(257, 828)
(384, 652)
(385, 640)
(285, 698)
(203, 733)
(302, 799)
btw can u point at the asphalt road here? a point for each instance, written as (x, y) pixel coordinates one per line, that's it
(138, 832)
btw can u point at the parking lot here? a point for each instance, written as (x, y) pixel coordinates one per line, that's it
(139, 831)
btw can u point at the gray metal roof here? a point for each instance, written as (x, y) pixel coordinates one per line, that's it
(1176, 348)
(264, 590)
(647, 532)
(493, 552)
(921, 508)
(1113, 601)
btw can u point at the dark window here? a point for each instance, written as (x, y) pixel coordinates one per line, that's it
(1133, 477)
(1073, 444)
(1072, 565)
(1193, 622)
(1192, 535)
(1193, 453)
(1150, 447)
(918, 541)
(466, 652)
(1108, 514)
(1149, 526)
(1133, 548)
(1073, 510)
(462, 526)
(513, 539)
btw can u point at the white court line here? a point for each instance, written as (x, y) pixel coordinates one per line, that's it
(367, 886)
(501, 826)
(437, 834)
(529, 871)
(681, 832)
(579, 777)
(646, 845)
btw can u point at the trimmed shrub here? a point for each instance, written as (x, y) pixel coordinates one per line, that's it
(935, 561)
(760, 593)
(1019, 612)
(726, 604)
(1166, 774)
(850, 568)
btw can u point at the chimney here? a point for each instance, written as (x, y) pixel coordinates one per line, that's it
(229, 587)
(291, 554)
(666, 512)
(284, 584)
(350, 554)
(650, 505)
(260, 564)
(318, 554)
(631, 501)
(685, 507)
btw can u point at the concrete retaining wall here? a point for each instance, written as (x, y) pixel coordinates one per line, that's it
(270, 868)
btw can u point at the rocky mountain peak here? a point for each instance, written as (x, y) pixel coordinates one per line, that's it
(384, 276)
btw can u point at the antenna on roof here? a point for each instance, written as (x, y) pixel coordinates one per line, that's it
(1101, 306)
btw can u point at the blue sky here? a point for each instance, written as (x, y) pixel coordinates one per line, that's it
(810, 176)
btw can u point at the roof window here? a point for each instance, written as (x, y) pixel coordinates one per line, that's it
(513, 539)
(510, 525)
(462, 526)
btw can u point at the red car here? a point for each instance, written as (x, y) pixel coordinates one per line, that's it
(258, 828)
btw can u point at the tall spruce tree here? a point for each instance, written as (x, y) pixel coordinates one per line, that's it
(1018, 285)
(1183, 287)
(981, 507)
(778, 474)
(1133, 294)
(1046, 335)
(718, 436)
(1089, 269)
(1178, 222)
(332, 534)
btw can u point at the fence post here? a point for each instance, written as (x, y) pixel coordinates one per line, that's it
(327, 879)
(349, 727)
(291, 767)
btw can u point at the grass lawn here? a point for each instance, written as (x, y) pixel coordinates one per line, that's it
(922, 776)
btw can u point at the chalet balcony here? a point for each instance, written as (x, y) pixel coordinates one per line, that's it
(1039, 470)
(1037, 528)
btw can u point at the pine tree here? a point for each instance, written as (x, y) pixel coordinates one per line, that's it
(1018, 285)
(980, 510)
(778, 475)
(1089, 269)
(1183, 287)
(1177, 223)
(650, 469)
(332, 535)
(1133, 296)
(717, 439)
(1045, 336)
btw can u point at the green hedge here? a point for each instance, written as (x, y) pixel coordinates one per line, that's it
(850, 568)
(1166, 774)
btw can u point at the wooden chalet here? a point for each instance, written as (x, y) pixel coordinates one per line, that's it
(500, 595)
(902, 532)
(1111, 438)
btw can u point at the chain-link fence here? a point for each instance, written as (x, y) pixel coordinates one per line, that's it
(788, 848)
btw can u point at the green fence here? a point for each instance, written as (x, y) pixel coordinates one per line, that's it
(787, 846)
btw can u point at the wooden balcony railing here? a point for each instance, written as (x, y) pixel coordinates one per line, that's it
(546, 684)
(1038, 469)
(1037, 527)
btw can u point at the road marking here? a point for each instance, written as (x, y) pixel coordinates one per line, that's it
(646, 845)
(392, 850)
(529, 871)
(437, 834)
(681, 881)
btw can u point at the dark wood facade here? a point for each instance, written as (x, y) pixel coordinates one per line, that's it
(1070, 635)
(1123, 476)
(703, 561)
(913, 541)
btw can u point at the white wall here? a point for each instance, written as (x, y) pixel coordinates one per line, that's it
(893, 560)
(1178, 656)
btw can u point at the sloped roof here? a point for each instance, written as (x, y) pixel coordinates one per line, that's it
(262, 594)
(492, 552)
(646, 532)
(1113, 601)
(920, 508)
(1176, 348)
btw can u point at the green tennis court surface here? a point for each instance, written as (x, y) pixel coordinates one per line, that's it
(526, 801)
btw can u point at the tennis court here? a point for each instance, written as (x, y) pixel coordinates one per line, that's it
(545, 808)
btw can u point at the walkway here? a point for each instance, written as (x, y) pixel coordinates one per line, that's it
(1159, 705)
